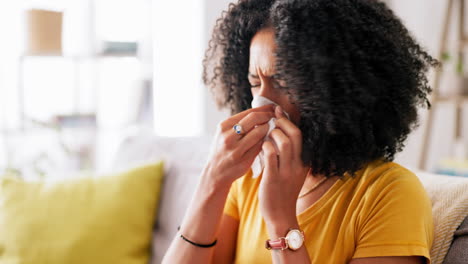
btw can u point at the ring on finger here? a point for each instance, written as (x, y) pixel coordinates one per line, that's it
(238, 129)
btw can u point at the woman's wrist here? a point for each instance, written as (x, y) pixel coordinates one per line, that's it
(279, 227)
(204, 213)
(213, 182)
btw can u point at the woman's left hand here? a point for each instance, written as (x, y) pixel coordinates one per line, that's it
(284, 172)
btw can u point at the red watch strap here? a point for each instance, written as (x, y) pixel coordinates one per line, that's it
(279, 243)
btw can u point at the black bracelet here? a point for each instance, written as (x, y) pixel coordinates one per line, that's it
(196, 244)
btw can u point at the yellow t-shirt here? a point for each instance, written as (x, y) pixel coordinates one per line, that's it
(382, 211)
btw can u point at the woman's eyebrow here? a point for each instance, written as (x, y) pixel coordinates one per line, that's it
(254, 76)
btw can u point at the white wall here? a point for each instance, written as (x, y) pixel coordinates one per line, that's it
(183, 106)
(424, 18)
(177, 27)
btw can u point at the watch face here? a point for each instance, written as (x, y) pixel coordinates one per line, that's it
(295, 239)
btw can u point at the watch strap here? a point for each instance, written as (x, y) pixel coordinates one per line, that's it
(283, 243)
(280, 243)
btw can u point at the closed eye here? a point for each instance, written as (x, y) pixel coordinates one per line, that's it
(253, 80)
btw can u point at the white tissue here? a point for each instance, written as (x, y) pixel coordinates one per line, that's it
(261, 101)
(259, 164)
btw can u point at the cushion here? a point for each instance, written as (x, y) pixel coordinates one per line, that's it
(184, 159)
(86, 219)
(449, 199)
(458, 252)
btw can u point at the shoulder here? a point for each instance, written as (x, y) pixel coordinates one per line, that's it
(390, 186)
(382, 178)
(386, 186)
(392, 195)
(394, 210)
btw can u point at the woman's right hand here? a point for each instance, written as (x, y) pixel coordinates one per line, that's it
(233, 154)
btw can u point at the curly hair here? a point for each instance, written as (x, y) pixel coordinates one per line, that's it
(351, 67)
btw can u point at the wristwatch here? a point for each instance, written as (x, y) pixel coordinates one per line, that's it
(293, 240)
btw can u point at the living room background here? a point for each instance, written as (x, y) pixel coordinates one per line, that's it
(121, 67)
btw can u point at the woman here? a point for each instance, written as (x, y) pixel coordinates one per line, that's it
(350, 77)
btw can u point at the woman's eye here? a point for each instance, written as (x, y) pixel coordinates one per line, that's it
(254, 85)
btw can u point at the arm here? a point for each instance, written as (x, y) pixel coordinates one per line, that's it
(231, 158)
(182, 252)
(279, 229)
(200, 225)
(282, 180)
(279, 189)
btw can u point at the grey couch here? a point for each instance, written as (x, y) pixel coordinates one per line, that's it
(458, 252)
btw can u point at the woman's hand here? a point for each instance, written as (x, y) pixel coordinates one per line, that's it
(231, 157)
(284, 172)
(233, 154)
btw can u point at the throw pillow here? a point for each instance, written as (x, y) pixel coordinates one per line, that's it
(106, 219)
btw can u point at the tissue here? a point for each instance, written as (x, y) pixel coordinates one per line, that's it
(259, 164)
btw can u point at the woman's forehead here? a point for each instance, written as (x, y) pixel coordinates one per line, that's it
(262, 50)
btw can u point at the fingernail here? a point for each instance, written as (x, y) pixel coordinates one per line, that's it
(278, 110)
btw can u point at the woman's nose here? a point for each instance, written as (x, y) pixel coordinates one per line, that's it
(265, 91)
(266, 88)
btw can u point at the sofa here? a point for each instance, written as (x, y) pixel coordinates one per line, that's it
(184, 158)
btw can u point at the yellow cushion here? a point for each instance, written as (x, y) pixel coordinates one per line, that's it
(107, 219)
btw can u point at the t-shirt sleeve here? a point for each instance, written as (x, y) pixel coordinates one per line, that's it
(231, 207)
(396, 219)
